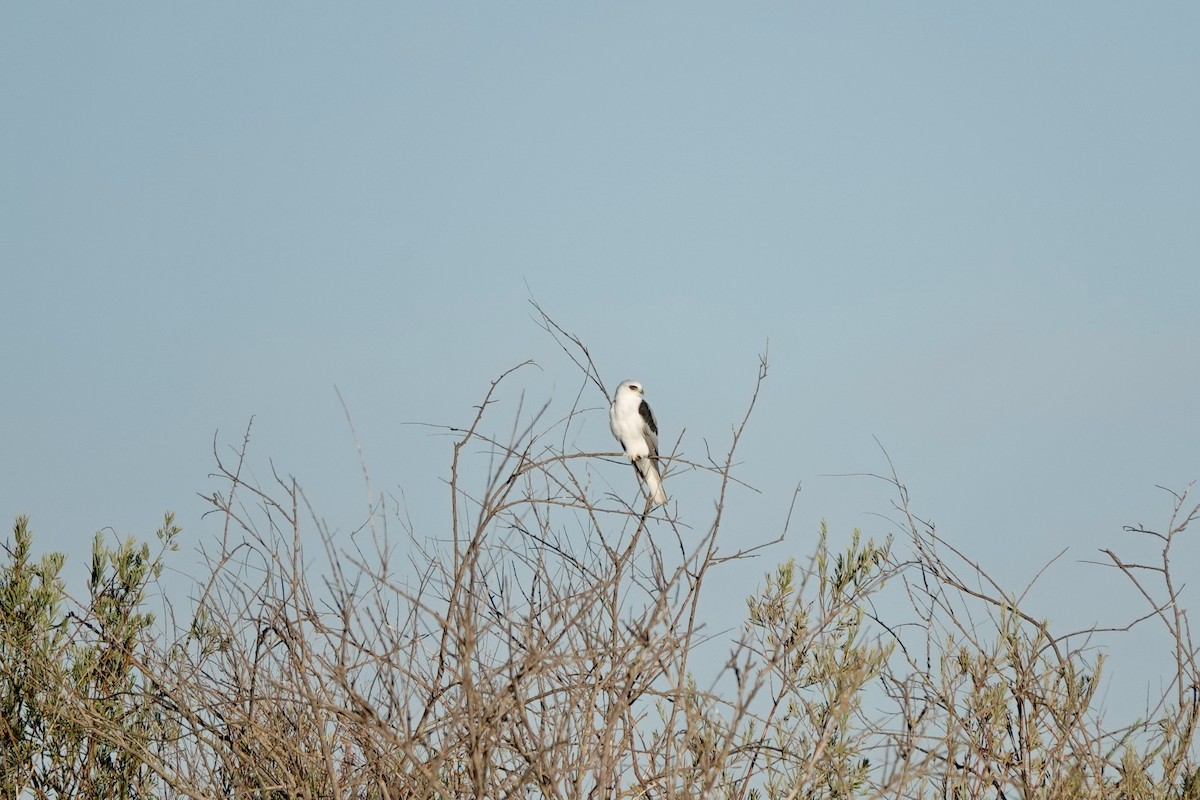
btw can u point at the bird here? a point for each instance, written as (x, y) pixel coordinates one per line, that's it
(633, 424)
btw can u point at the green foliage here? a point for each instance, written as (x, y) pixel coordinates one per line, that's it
(31, 639)
(814, 664)
(80, 715)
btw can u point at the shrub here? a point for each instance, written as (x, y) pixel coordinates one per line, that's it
(552, 644)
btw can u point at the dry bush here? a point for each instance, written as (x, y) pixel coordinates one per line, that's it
(552, 644)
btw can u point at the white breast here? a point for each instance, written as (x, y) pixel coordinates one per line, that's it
(627, 426)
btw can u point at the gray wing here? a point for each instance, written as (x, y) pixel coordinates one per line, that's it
(649, 428)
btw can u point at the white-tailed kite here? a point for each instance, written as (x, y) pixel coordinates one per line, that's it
(633, 424)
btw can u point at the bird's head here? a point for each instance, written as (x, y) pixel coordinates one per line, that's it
(632, 387)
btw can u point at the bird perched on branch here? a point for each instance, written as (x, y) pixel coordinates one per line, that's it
(633, 424)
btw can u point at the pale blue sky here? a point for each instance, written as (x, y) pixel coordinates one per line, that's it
(969, 230)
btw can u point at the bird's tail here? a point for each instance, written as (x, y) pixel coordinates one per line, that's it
(648, 467)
